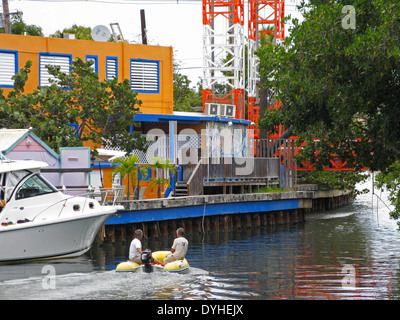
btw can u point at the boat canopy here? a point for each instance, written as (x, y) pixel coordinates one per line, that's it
(16, 165)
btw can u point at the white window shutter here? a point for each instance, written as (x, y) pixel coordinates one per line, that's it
(145, 76)
(7, 68)
(111, 68)
(53, 60)
(94, 65)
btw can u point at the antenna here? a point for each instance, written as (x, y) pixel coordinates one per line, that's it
(143, 24)
(117, 33)
(101, 33)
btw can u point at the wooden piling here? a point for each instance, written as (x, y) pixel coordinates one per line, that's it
(286, 215)
(256, 219)
(215, 223)
(228, 222)
(296, 216)
(279, 219)
(301, 215)
(188, 225)
(271, 219)
(181, 224)
(145, 231)
(264, 218)
(164, 227)
(172, 227)
(197, 225)
(155, 233)
(248, 220)
(110, 234)
(207, 224)
(120, 233)
(237, 222)
(224, 222)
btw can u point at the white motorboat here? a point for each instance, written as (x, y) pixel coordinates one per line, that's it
(38, 221)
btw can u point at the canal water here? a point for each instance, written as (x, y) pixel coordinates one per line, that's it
(349, 253)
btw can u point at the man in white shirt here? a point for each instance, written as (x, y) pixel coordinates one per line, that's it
(135, 250)
(179, 247)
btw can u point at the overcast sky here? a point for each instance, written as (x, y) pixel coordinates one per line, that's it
(169, 22)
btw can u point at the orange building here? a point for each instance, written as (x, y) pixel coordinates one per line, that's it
(150, 72)
(149, 68)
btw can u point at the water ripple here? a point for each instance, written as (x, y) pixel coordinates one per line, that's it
(309, 260)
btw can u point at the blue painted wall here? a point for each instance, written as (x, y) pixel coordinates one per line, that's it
(200, 210)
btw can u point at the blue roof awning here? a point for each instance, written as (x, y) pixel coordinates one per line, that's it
(185, 118)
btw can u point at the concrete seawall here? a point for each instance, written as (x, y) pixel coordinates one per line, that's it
(206, 213)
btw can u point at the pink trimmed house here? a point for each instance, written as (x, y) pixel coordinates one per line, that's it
(23, 144)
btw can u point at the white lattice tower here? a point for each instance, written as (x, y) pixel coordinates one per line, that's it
(223, 52)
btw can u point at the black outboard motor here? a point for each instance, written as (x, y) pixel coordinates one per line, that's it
(147, 259)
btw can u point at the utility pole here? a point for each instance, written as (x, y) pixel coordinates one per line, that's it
(143, 23)
(6, 17)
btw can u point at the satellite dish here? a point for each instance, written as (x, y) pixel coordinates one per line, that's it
(101, 33)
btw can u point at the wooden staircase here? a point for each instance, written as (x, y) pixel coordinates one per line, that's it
(181, 189)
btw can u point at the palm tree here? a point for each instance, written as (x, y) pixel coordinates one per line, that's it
(128, 166)
(160, 164)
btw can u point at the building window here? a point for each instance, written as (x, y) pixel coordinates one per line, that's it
(62, 60)
(111, 68)
(95, 64)
(145, 76)
(8, 67)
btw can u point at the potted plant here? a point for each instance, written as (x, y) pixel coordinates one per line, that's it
(160, 164)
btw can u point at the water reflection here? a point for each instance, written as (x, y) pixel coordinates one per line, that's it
(36, 269)
(302, 261)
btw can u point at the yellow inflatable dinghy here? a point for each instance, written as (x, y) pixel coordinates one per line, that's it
(180, 266)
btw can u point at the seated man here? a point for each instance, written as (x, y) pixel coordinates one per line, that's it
(179, 247)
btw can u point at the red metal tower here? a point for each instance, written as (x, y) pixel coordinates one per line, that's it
(223, 53)
(261, 15)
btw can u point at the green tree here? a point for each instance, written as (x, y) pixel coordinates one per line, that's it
(185, 98)
(18, 26)
(128, 167)
(339, 84)
(389, 179)
(80, 32)
(17, 108)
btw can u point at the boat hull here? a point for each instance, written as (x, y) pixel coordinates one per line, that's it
(59, 238)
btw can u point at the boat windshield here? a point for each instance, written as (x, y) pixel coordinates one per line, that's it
(34, 186)
(11, 180)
